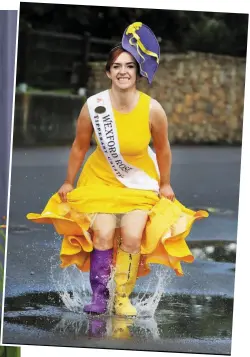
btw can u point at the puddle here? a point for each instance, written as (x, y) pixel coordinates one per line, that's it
(177, 316)
(218, 251)
(216, 211)
(22, 229)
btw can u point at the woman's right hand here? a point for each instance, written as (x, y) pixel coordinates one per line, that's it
(64, 190)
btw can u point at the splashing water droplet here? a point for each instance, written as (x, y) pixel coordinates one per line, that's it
(74, 289)
(71, 285)
(147, 302)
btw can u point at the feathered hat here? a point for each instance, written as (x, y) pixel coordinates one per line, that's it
(140, 41)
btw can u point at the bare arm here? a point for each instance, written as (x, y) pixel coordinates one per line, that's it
(159, 131)
(80, 145)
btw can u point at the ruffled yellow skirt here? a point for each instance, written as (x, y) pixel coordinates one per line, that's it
(164, 237)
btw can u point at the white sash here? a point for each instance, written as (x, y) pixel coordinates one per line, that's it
(102, 118)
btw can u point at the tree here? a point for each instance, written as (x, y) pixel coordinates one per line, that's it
(221, 33)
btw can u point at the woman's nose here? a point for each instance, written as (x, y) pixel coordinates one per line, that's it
(122, 69)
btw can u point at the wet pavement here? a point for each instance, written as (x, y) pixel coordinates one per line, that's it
(43, 304)
(181, 323)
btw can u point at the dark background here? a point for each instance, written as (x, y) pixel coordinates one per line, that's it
(220, 33)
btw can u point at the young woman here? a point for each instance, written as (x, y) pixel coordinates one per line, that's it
(123, 212)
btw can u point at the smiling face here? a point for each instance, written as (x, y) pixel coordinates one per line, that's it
(123, 71)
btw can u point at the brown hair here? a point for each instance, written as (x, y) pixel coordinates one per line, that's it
(113, 54)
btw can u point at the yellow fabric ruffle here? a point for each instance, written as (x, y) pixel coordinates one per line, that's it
(164, 238)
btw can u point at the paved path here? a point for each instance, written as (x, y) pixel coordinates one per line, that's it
(198, 306)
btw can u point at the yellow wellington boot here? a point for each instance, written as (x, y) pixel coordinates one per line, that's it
(125, 279)
(121, 326)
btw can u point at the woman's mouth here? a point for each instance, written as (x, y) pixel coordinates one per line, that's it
(123, 79)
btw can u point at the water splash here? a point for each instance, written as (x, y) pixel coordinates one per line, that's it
(108, 326)
(71, 284)
(147, 302)
(149, 325)
(74, 289)
(111, 288)
(69, 323)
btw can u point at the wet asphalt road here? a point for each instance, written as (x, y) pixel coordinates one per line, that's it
(194, 313)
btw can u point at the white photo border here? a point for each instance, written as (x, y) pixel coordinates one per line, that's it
(241, 306)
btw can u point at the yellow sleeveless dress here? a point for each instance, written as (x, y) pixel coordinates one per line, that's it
(99, 191)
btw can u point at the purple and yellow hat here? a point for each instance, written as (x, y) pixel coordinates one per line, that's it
(140, 41)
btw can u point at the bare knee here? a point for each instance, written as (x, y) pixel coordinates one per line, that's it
(103, 240)
(103, 231)
(133, 225)
(131, 243)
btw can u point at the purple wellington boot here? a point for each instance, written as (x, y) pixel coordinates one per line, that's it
(97, 328)
(100, 269)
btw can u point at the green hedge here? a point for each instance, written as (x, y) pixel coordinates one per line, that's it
(6, 351)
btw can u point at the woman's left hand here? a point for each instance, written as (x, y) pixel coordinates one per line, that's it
(167, 192)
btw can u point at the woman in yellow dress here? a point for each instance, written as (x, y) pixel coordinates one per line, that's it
(123, 211)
